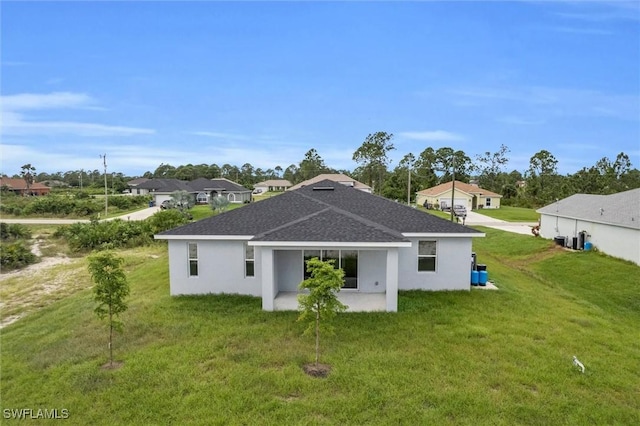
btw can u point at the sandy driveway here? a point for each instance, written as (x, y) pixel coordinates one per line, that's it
(478, 219)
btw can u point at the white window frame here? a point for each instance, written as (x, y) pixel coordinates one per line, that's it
(247, 260)
(434, 256)
(487, 202)
(191, 259)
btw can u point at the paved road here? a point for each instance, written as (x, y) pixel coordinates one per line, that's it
(137, 215)
(478, 219)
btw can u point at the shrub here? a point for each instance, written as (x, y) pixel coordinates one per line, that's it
(14, 231)
(106, 235)
(167, 219)
(15, 255)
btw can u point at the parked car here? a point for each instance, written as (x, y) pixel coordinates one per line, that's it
(460, 211)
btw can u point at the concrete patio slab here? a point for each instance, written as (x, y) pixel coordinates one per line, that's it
(356, 302)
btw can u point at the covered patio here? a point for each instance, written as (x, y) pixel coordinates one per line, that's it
(356, 301)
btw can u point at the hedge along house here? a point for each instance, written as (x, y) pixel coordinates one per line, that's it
(611, 222)
(260, 249)
(471, 196)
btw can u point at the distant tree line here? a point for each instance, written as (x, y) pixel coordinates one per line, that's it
(540, 184)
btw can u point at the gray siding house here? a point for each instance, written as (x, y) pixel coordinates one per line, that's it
(260, 249)
(611, 222)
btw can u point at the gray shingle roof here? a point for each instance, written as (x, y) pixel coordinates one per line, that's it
(622, 209)
(166, 185)
(309, 214)
(198, 185)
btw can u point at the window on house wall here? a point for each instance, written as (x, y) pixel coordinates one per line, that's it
(488, 202)
(345, 259)
(249, 261)
(193, 259)
(426, 256)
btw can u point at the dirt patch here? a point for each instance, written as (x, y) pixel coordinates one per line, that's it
(317, 370)
(112, 366)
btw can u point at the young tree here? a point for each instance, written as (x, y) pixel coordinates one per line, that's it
(111, 288)
(372, 155)
(219, 203)
(321, 304)
(181, 199)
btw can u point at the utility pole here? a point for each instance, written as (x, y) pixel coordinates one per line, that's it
(106, 197)
(81, 173)
(453, 183)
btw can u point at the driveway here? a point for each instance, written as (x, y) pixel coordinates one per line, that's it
(137, 215)
(478, 219)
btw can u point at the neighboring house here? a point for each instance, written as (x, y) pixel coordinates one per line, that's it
(611, 222)
(201, 189)
(19, 186)
(260, 249)
(134, 186)
(334, 177)
(161, 189)
(272, 185)
(468, 195)
(204, 189)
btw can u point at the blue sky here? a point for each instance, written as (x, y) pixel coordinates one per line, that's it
(261, 82)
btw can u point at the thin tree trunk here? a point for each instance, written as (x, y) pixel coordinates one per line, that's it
(110, 337)
(317, 336)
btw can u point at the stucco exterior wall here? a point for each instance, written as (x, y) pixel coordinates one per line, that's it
(220, 269)
(616, 241)
(289, 270)
(453, 266)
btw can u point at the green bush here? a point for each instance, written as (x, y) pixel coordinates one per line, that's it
(14, 231)
(167, 219)
(15, 255)
(106, 235)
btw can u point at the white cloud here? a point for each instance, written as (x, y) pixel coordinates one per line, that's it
(15, 122)
(56, 100)
(432, 135)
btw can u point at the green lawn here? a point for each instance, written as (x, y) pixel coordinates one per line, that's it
(479, 357)
(511, 214)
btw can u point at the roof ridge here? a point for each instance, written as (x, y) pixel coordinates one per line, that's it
(356, 217)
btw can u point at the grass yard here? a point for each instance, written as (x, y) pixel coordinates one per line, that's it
(511, 214)
(479, 357)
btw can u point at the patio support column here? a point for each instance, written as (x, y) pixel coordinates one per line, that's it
(268, 288)
(392, 279)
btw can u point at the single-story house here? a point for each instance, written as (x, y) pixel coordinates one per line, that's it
(133, 186)
(161, 189)
(272, 185)
(19, 186)
(219, 187)
(469, 195)
(334, 177)
(611, 223)
(201, 189)
(260, 249)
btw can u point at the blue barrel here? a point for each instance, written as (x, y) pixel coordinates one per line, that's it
(475, 276)
(588, 245)
(483, 277)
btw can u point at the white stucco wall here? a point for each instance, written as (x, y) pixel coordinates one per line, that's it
(289, 270)
(220, 269)
(453, 266)
(616, 241)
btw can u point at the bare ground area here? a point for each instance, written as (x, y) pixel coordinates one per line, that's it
(38, 285)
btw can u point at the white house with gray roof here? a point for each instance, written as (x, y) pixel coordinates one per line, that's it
(261, 248)
(611, 222)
